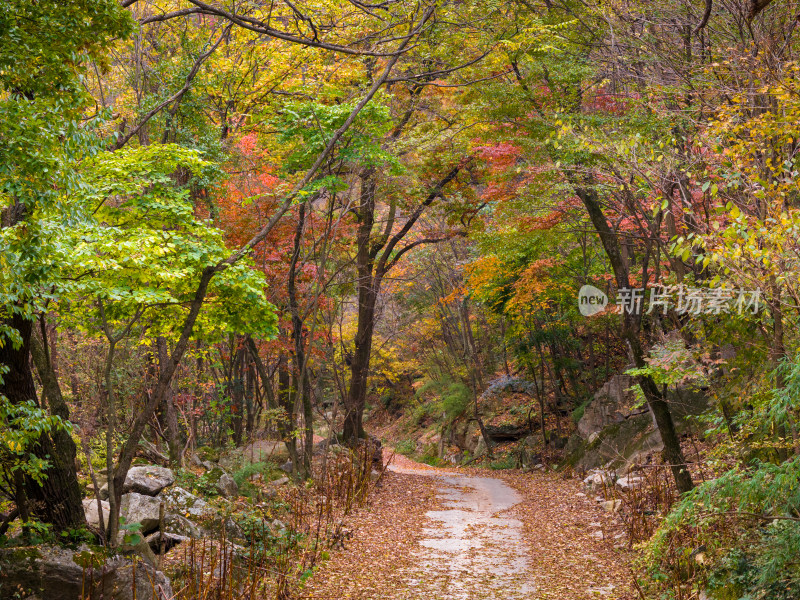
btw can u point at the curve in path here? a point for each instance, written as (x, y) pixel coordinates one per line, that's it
(471, 548)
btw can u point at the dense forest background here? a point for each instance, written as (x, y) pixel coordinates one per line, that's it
(225, 222)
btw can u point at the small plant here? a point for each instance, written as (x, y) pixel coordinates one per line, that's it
(406, 447)
(503, 463)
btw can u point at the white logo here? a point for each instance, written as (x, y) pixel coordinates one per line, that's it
(591, 300)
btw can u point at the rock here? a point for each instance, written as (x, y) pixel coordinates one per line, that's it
(262, 450)
(48, 573)
(180, 525)
(286, 467)
(148, 480)
(178, 500)
(281, 481)
(90, 509)
(480, 448)
(227, 486)
(376, 446)
(472, 437)
(278, 526)
(611, 404)
(611, 506)
(629, 482)
(170, 540)
(138, 508)
(599, 478)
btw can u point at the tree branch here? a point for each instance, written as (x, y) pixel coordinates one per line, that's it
(175, 97)
(432, 195)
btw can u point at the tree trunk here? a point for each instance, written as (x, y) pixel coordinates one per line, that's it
(672, 453)
(58, 499)
(368, 284)
(170, 412)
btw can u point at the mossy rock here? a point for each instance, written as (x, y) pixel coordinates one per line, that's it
(208, 453)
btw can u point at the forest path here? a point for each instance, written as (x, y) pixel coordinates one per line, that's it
(453, 534)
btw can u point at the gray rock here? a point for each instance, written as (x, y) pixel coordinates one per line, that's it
(259, 451)
(611, 404)
(90, 509)
(227, 486)
(599, 478)
(286, 467)
(149, 481)
(630, 481)
(47, 573)
(138, 508)
(611, 505)
(282, 481)
(180, 525)
(178, 500)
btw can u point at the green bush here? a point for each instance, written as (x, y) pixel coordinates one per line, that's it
(247, 470)
(502, 463)
(455, 399)
(406, 447)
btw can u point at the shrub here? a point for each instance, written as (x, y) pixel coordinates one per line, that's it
(406, 447)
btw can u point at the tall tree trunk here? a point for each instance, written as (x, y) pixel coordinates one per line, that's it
(368, 284)
(286, 400)
(302, 383)
(170, 412)
(58, 499)
(237, 397)
(672, 453)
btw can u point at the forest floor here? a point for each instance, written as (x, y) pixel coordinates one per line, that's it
(452, 534)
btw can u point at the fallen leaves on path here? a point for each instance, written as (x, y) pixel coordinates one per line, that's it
(569, 542)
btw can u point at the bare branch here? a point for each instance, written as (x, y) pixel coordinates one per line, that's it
(259, 26)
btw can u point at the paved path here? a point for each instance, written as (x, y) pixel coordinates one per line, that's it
(471, 548)
(457, 534)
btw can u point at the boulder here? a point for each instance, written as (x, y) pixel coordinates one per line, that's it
(611, 506)
(599, 478)
(480, 447)
(611, 404)
(630, 481)
(148, 480)
(92, 516)
(259, 451)
(286, 467)
(181, 526)
(138, 508)
(178, 500)
(51, 573)
(227, 486)
(472, 437)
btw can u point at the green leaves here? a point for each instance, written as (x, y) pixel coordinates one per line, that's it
(308, 127)
(21, 426)
(144, 250)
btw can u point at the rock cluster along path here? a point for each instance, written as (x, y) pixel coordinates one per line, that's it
(447, 534)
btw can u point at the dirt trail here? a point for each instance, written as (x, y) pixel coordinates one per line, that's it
(453, 534)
